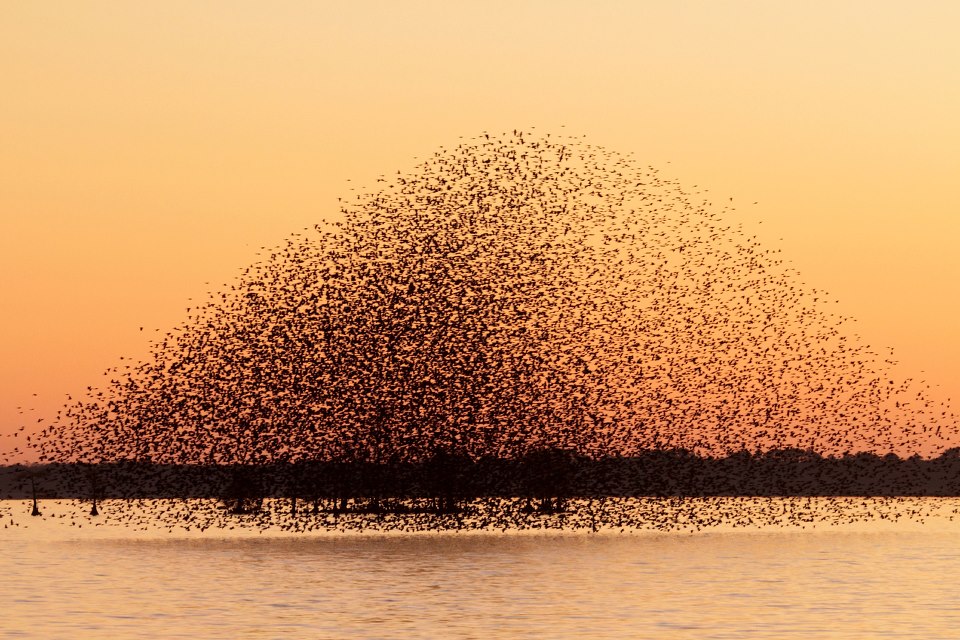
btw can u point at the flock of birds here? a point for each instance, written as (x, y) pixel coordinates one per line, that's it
(607, 515)
(513, 294)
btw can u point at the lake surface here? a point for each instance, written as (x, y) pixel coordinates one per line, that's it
(867, 579)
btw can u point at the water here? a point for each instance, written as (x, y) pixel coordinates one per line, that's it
(870, 579)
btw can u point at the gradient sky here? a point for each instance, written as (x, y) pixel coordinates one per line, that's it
(148, 150)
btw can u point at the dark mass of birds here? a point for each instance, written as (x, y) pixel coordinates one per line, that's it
(516, 296)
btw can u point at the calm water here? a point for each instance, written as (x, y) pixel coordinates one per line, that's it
(878, 579)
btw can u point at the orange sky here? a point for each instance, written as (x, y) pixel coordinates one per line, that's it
(148, 149)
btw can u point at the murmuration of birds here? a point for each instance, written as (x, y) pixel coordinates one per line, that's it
(510, 321)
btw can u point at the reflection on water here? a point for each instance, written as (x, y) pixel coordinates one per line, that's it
(866, 579)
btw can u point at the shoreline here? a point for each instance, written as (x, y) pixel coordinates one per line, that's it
(69, 520)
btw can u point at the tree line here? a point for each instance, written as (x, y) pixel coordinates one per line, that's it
(547, 479)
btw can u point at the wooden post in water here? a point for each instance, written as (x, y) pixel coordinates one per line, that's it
(33, 490)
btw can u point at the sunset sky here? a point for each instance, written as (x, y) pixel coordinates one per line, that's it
(149, 150)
